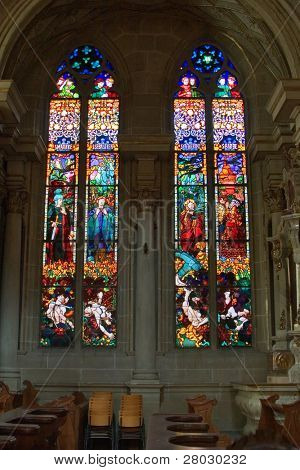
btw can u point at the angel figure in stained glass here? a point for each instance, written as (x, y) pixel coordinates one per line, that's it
(57, 310)
(102, 316)
(196, 322)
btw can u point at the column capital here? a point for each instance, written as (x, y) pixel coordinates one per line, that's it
(22, 147)
(16, 201)
(12, 105)
(131, 145)
(284, 99)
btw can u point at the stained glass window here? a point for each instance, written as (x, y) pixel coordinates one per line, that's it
(72, 283)
(211, 179)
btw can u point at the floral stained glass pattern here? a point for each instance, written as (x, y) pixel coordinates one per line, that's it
(228, 125)
(64, 125)
(189, 125)
(103, 124)
(192, 322)
(101, 227)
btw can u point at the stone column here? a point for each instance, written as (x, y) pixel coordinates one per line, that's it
(146, 152)
(2, 199)
(145, 306)
(11, 288)
(275, 199)
(293, 223)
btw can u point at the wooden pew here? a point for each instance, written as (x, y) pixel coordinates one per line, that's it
(8, 443)
(290, 429)
(29, 395)
(48, 425)
(27, 435)
(203, 407)
(6, 399)
(72, 431)
(195, 400)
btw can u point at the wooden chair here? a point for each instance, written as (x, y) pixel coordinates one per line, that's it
(100, 426)
(131, 422)
(6, 399)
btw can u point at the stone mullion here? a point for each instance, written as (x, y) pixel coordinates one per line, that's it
(80, 234)
(211, 218)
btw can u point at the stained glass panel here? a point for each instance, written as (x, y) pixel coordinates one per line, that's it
(228, 125)
(57, 323)
(231, 168)
(64, 125)
(103, 86)
(103, 125)
(191, 249)
(233, 265)
(189, 125)
(227, 86)
(99, 318)
(188, 86)
(86, 69)
(207, 59)
(85, 59)
(190, 168)
(59, 250)
(234, 316)
(66, 85)
(101, 225)
(192, 322)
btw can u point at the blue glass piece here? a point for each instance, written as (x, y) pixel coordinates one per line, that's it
(207, 59)
(86, 59)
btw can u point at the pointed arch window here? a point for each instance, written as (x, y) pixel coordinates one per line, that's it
(212, 255)
(79, 278)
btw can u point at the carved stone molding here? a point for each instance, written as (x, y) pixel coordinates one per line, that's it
(248, 400)
(275, 199)
(282, 320)
(293, 156)
(294, 372)
(291, 180)
(3, 193)
(280, 249)
(292, 223)
(282, 360)
(16, 201)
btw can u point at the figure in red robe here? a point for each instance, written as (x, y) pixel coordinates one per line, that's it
(185, 88)
(60, 231)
